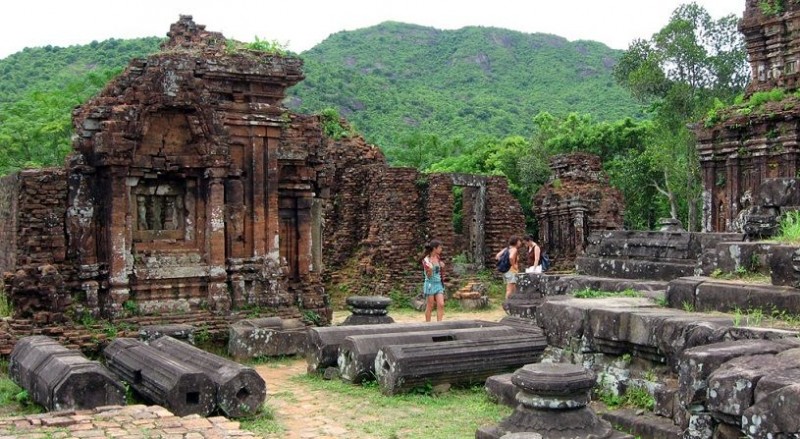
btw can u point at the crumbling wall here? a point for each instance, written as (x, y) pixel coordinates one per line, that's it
(504, 218)
(9, 198)
(37, 272)
(577, 201)
(772, 42)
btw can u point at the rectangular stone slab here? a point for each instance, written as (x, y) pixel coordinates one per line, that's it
(401, 368)
(357, 352)
(731, 388)
(181, 388)
(698, 363)
(240, 390)
(266, 337)
(322, 344)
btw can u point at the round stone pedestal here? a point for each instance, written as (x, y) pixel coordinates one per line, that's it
(368, 310)
(553, 399)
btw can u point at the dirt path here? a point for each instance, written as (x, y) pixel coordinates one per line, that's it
(307, 413)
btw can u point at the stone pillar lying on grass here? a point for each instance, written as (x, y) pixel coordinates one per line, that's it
(62, 379)
(401, 368)
(357, 352)
(552, 401)
(240, 390)
(322, 344)
(181, 388)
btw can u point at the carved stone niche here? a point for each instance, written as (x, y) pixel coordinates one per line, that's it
(161, 210)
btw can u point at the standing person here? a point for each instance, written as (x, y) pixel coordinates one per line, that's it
(534, 255)
(433, 288)
(510, 276)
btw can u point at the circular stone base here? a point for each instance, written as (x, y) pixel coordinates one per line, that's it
(366, 320)
(369, 302)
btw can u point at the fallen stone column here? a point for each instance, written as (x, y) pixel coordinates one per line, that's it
(401, 368)
(357, 352)
(322, 344)
(181, 388)
(240, 390)
(62, 379)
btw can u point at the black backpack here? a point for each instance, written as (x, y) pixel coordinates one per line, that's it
(504, 263)
(545, 261)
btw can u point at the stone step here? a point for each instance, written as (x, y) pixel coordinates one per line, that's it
(644, 426)
(618, 325)
(708, 294)
(634, 268)
(532, 288)
(501, 389)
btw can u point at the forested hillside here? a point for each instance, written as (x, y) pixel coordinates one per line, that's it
(47, 68)
(395, 82)
(475, 100)
(394, 79)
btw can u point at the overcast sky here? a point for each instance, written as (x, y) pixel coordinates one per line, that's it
(305, 23)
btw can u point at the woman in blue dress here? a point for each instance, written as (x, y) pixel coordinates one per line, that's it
(433, 288)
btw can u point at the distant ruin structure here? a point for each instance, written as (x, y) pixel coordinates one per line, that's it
(743, 148)
(192, 191)
(577, 201)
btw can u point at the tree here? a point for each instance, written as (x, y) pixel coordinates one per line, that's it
(682, 70)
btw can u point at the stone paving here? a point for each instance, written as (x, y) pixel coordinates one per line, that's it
(130, 422)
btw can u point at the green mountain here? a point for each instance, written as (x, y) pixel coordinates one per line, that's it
(393, 79)
(52, 67)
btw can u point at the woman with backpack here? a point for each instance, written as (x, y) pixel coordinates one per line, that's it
(511, 267)
(433, 287)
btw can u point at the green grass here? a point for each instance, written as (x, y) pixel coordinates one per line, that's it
(5, 304)
(13, 399)
(456, 413)
(588, 293)
(263, 422)
(789, 228)
(742, 275)
(634, 396)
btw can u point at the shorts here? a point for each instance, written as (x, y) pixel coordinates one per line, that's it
(510, 277)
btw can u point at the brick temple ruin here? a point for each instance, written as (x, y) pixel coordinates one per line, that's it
(743, 149)
(575, 202)
(192, 191)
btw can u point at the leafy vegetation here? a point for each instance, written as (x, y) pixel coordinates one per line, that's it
(588, 293)
(477, 100)
(634, 396)
(14, 400)
(741, 274)
(790, 228)
(689, 67)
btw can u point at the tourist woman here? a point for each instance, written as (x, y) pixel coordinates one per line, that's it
(433, 287)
